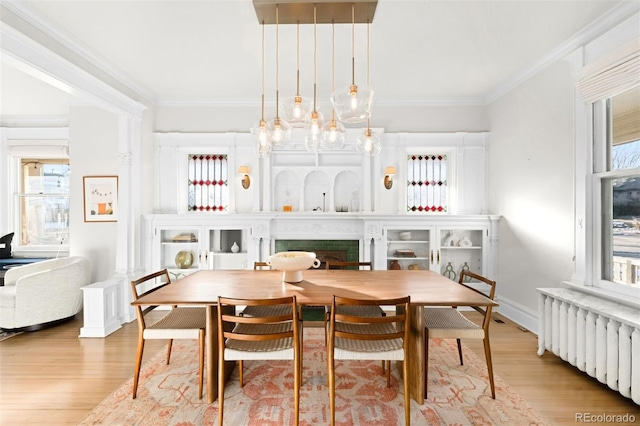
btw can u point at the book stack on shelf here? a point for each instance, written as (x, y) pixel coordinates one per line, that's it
(404, 253)
(184, 238)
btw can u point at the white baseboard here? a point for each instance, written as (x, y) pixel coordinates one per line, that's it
(518, 313)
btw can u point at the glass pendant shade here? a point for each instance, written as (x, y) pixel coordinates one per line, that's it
(278, 132)
(369, 143)
(262, 145)
(334, 134)
(353, 104)
(314, 123)
(294, 110)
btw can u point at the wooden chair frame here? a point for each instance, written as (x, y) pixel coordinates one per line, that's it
(461, 327)
(178, 323)
(363, 330)
(247, 337)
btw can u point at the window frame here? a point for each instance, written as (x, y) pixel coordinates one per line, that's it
(451, 153)
(36, 148)
(597, 173)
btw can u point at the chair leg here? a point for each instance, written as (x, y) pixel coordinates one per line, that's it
(169, 350)
(331, 379)
(297, 379)
(460, 351)
(240, 371)
(487, 355)
(136, 374)
(201, 362)
(407, 392)
(388, 373)
(426, 361)
(221, 384)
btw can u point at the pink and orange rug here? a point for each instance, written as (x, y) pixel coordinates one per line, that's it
(458, 395)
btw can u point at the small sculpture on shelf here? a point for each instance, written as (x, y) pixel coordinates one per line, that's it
(184, 259)
(465, 267)
(235, 248)
(394, 265)
(449, 272)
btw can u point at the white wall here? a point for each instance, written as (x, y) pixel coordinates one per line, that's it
(531, 184)
(93, 149)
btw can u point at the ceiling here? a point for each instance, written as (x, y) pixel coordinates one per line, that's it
(208, 51)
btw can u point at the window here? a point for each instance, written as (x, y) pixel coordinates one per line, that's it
(43, 202)
(208, 187)
(617, 173)
(427, 183)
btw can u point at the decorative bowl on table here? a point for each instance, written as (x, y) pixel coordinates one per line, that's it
(292, 263)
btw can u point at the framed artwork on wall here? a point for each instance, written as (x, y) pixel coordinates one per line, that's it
(100, 198)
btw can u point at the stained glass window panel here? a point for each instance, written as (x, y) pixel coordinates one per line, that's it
(208, 188)
(427, 183)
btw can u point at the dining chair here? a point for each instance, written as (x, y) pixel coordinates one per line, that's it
(177, 323)
(353, 309)
(258, 266)
(450, 323)
(355, 337)
(274, 337)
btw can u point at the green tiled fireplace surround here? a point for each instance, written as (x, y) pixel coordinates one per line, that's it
(350, 246)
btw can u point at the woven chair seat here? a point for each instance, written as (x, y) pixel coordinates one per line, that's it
(262, 349)
(367, 349)
(266, 311)
(179, 323)
(360, 311)
(450, 323)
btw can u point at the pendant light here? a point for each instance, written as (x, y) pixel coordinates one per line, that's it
(314, 122)
(262, 147)
(368, 142)
(278, 130)
(352, 104)
(294, 109)
(333, 134)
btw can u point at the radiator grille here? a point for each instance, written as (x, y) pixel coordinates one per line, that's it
(599, 337)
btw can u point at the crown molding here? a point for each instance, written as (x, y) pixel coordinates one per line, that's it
(598, 27)
(251, 103)
(76, 47)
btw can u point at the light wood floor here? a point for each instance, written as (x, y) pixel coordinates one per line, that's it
(53, 377)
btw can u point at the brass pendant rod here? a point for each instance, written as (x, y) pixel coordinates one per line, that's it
(298, 58)
(262, 115)
(277, 65)
(353, 44)
(333, 64)
(315, 59)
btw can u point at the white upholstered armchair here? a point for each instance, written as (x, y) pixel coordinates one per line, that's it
(42, 294)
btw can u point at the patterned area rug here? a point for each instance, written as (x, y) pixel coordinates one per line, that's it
(4, 335)
(458, 395)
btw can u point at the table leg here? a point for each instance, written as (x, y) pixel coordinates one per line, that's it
(416, 354)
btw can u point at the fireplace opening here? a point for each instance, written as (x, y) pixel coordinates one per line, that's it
(325, 250)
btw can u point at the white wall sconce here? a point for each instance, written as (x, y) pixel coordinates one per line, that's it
(388, 176)
(246, 180)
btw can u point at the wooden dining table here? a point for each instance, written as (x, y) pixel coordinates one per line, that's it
(426, 288)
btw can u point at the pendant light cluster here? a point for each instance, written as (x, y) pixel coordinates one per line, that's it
(351, 104)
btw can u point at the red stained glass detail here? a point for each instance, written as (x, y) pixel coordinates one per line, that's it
(195, 182)
(433, 208)
(413, 157)
(200, 208)
(440, 183)
(420, 183)
(420, 208)
(413, 183)
(426, 183)
(413, 208)
(439, 157)
(201, 157)
(208, 182)
(208, 208)
(220, 182)
(440, 209)
(201, 182)
(207, 157)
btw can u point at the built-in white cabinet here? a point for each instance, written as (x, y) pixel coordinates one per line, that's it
(182, 248)
(445, 248)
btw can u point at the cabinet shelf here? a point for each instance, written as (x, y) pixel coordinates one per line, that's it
(407, 258)
(461, 248)
(408, 241)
